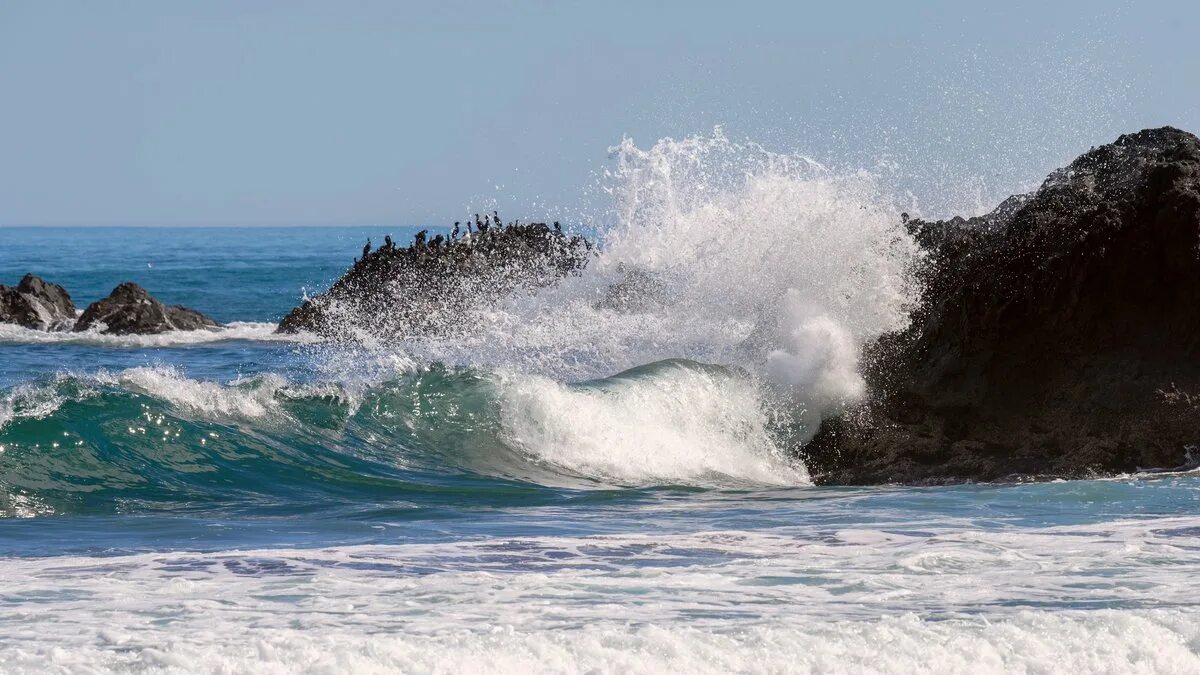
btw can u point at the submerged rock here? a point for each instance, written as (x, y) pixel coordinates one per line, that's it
(1058, 335)
(431, 286)
(37, 304)
(130, 310)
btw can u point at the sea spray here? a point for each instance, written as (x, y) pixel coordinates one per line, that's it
(741, 256)
(713, 252)
(817, 359)
(816, 262)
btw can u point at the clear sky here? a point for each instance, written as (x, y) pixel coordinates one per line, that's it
(362, 112)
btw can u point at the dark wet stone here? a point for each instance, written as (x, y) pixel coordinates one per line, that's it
(130, 310)
(1058, 335)
(431, 286)
(37, 304)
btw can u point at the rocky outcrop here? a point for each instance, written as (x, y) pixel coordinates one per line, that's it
(1058, 335)
(431, 286)
(37, 304)
(130, 310)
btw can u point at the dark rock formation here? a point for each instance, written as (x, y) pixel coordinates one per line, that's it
(37, 304)
(430, 286)
(130, 310)
(1059, 335)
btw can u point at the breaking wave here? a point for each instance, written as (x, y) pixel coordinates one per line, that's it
(717, 252)
(772, 267)
(153, 438)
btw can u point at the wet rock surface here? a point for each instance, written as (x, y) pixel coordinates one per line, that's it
(131, 310)
(430, 286)
(1058, 335)
(37, 304)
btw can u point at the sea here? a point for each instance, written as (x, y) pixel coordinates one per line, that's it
(564, 488)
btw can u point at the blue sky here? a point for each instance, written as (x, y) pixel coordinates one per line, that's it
(275, 113)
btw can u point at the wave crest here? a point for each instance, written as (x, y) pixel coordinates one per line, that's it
(669, 422)
(155, 438)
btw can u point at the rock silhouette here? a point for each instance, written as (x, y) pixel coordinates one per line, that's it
(430, 286)
(1058, 335)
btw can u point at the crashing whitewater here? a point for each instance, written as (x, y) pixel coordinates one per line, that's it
(573, 485)
(770, 272)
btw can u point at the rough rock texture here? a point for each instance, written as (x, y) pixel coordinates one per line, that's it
(130, 310)
(1059, 335)
(37, 304)
(430, 286)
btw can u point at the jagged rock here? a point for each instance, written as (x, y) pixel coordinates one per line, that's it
(130, 310)
(430, 287)
(37, 304)
(1058, 335)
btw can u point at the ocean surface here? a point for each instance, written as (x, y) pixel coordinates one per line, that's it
(558, 492)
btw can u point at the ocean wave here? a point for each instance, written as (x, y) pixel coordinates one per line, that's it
(152, 437)
(730, 254)
(668, 422)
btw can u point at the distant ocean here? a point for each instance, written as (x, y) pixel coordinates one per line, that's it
(565, 490)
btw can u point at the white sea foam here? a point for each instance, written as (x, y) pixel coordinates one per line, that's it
(1032, 642)
(238, 330)
(34, 400)
(250, 398)
(255, 397)
(764, 261)
(681, 424)
(1112, 597)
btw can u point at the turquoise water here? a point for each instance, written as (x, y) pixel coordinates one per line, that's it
(242, 501)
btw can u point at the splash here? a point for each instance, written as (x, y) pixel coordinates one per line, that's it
(717, 252)
(817, 355)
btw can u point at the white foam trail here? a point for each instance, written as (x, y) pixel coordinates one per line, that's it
(1033, 642)
(679, 425)
(790, 599)
(238, 330)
